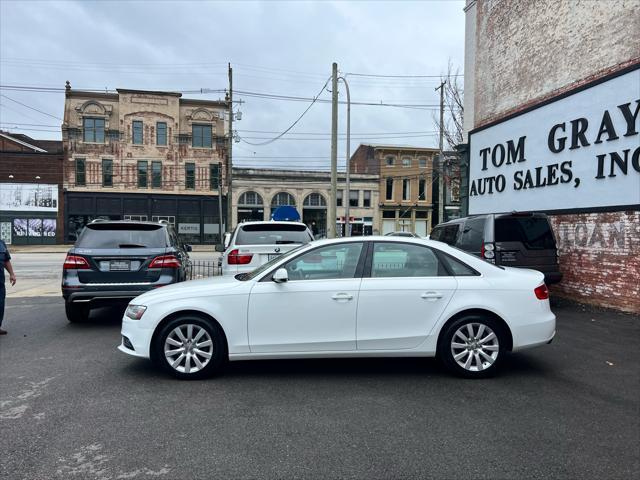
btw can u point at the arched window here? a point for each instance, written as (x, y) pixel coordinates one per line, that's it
(283, 198)
(250, 198)
(314, 200)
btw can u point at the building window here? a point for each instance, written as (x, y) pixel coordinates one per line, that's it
(250, 198)
(190, 176)
(389, 188)
(107, 172)
(390, 160)
(201, 136)
(406, 162)
(354, 197)
(142, 174)
(137, 132)
(314, 200)
(366, 198)
(93, 129)
(422, 162)
(156, 174)
(81, 172)
(422, 189)
(339, 198)
(214, 176)
(161, 133)
(283, 198)
(406, 189)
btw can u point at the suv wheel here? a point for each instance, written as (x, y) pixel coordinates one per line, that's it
(191, 347)
(76, 312)
(473, 346)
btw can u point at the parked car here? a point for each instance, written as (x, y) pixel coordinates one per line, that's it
(402, 234)
(255, 243)
(350, 297)
(512, 239)
(115, 261)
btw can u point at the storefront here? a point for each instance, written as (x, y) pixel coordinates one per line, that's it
(28, 213)
(195, 217)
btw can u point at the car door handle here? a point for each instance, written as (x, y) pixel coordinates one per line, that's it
(342, 296)
(431, 295)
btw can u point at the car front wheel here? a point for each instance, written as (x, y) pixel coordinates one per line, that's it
(191, 347)
(473, 346)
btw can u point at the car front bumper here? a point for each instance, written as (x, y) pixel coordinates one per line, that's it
(139, 336)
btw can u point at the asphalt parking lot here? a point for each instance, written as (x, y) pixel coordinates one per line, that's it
(72, 406)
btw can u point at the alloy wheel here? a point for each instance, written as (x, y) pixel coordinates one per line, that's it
(475, 347)
(188, 348)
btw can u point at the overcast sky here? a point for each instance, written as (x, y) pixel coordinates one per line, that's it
(282, 48)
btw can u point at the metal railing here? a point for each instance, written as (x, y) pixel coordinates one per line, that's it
(203, 269)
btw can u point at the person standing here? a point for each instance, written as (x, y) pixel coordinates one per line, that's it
(5, 264)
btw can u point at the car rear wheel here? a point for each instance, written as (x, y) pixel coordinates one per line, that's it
(191, 347)
(76, 312)
(473, 346)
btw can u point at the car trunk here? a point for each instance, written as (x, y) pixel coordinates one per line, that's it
(121, 265)
(525, 241)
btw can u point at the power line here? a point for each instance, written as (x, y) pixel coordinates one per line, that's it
(27, 106)
(297, 120)
(399, 76)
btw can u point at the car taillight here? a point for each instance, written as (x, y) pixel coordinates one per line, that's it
(487, 251)
(165, 261)
(542, 292)
(74, 262)
(235, 258)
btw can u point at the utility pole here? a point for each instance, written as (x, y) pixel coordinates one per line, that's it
(230, 155)
(331, 224)
(441, 156)
(347, 190)
(220, 232)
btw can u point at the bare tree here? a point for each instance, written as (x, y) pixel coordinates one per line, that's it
(453, 107)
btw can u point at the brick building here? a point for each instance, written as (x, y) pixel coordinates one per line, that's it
(552, 109)
(257, 192)
(144, 155)
(31, 199)
(405, 183)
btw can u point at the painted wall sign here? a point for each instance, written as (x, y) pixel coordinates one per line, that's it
(189, 228)
(28, 197)
(578, 152)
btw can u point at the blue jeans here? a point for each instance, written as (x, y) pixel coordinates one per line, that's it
(3, 292)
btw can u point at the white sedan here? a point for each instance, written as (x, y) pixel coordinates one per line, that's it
(352, 297)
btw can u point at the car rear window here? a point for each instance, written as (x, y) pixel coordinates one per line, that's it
(276, 234)
(533, 232)
(472, 235)
(122, 235)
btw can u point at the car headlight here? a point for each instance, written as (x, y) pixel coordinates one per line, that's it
(135, 312)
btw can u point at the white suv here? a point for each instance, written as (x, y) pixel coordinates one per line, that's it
(255, 243)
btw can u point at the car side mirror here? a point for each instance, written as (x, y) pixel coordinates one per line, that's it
(188, 248)
(281, 275)
(220, 248)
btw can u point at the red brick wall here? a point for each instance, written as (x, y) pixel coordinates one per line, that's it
(600, 258)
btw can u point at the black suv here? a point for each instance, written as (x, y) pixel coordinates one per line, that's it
(115, 261)
(512, 240)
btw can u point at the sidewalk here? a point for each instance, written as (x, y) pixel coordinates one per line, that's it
(65, 248)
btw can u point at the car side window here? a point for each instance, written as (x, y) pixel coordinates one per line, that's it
(458, 268)
(330, 262)
(446, 234)
(404, 260)
(472, 235)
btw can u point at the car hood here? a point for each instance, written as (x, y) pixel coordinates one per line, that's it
(208, 286)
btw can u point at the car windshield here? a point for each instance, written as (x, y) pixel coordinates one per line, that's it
(263, 268)
(122, 235)
(272, 234)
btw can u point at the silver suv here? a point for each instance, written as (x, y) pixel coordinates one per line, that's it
(254, 243)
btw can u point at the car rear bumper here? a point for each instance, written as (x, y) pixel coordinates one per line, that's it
(101, 296)
(536, 333)
(552, 277)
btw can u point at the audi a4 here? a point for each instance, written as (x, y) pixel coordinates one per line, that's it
(351, 297)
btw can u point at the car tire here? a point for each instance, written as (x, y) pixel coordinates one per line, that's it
(76, 313)
(473, 346)
(191, 347)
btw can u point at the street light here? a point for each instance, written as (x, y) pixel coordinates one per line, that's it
(347, 191)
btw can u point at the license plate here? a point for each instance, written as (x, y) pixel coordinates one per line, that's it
(273, 255)
(508, 256)
(119, 265)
